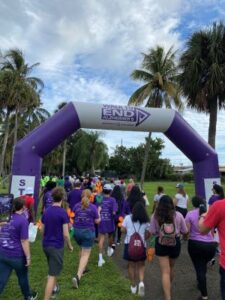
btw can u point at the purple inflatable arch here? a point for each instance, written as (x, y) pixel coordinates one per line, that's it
(29, 152)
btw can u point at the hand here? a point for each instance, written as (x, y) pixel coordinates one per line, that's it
(70, 248)
(28, 259)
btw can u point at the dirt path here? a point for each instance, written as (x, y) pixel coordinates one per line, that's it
(184, 285)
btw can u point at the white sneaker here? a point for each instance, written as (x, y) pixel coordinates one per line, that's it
(101, 262)
(141, 289)
(133, 289)
(110, 251)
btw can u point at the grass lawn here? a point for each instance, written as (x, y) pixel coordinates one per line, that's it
(104, 283)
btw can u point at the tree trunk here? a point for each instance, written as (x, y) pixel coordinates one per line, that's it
(64, 159)
(212, 122)
(5, 141)
(15, 127)
(92, 163)
(145, 162)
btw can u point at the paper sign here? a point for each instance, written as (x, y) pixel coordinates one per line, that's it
(20, 183)
(209, 182)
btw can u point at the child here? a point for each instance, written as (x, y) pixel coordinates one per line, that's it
(55, 230)
(107, 210)
(138, 221)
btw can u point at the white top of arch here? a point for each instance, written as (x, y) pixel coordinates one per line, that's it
(118, 117)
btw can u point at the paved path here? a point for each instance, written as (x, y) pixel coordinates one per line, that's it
(184, 285)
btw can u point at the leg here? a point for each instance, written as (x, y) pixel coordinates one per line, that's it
(172, 263)
(141, 270)
(110, 239)
(101, 239)
(85, 254)
(131, 272)
(119, 233)
(5, 272)
(165, 273)
(22, 275)
(51, 282)
(222, 282)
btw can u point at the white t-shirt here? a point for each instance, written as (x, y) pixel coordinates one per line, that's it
(129, 225)
(157, 197)
(181, 200)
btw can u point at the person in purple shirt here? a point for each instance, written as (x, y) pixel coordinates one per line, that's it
(55, 230)
(201, 248)
(218, 194)
(74, 196)
(86, 216)
(165, 213)
(107, 209)
(47, 196)
(121, 212)
(67, 184)
(15, 250)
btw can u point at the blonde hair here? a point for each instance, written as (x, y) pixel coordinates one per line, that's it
(86, 193)
(85, 202)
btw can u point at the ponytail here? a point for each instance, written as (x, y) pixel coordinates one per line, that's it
(85, 202)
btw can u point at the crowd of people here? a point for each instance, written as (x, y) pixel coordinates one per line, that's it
(92, 210)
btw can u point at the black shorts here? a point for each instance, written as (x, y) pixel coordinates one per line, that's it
(183, 211)
(55, 260)
(126, 255)
(171, 251)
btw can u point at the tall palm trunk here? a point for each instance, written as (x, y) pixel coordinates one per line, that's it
(145, 162)
(212, 122)
(5, 141)
(15, 127)
(64, 159)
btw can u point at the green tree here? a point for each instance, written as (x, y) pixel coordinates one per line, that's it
(159, 73)
(18, 91)
(202, 75)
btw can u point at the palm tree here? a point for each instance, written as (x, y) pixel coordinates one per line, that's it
(159, 73)
(202, 75)
(18, 90)
(60, 106)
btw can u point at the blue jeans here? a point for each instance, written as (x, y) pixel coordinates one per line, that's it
(7, 265)
(222, 282)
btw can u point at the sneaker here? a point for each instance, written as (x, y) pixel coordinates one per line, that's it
(76, 282)
(141, 289)
(55, 292)
(33, 296)
(133, 289)
(212, 262)
(118, 242)
(110, 251)
(113, 246)
(101, 262)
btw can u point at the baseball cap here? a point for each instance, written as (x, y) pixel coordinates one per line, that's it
(179, 186)
(29, 191)
(107, 187)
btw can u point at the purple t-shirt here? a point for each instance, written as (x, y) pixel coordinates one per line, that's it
(74, 197)
(54, 218)
(85, 218)
(213, 199)
(11, 235)
(192, 218)
(179, 222)
(109, 208)
(47, 200)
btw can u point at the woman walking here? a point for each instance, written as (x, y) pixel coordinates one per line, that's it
(86, 216)
(201, 248)
(137, 222)
(181, 200)
(167, 225)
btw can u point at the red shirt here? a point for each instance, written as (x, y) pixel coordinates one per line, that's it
(215, 218)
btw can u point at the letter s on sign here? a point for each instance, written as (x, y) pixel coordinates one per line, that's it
(22, 182)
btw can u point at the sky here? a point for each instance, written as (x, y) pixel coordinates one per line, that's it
(87, 50)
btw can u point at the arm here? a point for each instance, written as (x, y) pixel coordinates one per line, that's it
(67, 236)
(26, 249)
(202, 227)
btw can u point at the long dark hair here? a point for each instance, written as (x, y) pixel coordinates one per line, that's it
(117, 194)
(135, 196)
(219, 190)
(139, 213)
(165, 210)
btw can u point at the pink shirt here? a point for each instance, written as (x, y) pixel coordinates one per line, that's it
(179, 222)
(192, 218)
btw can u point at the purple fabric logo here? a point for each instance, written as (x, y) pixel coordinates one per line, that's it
(124, 114)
